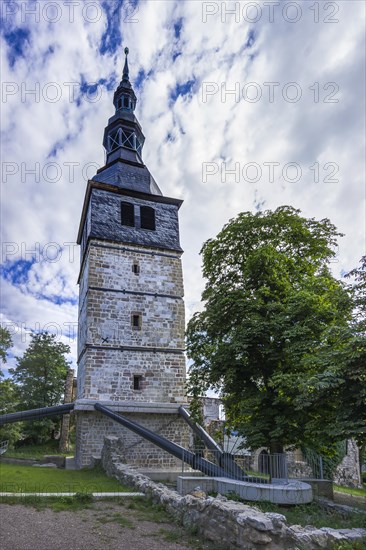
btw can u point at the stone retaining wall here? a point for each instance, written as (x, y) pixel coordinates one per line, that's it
(218, 519)
(348, 473)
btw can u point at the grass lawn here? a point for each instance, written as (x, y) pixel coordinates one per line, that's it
(36, 451)
(350, 490)
(29, 479)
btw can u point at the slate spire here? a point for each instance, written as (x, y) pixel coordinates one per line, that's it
(124, 97)
(125, 75)
(123, 141)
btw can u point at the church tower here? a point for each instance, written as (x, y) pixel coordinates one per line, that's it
(131, 309)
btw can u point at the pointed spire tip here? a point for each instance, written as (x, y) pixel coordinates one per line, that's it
(125, 75)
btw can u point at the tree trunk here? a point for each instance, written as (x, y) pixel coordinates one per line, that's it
(65, 423)
(275, 447)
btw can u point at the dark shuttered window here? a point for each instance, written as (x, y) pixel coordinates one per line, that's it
(136, 321)
(137, 382)
(127, 214)
(136, 268)
(147, 217)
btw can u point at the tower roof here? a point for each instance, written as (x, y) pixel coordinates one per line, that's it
(123, 142)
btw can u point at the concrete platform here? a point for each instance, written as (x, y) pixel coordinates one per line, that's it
(292, 492)
(170, 476)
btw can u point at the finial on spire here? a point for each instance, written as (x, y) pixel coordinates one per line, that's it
(125, 75)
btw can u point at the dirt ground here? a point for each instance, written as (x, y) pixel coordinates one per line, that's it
(106, 526)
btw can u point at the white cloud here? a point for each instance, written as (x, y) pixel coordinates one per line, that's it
(305, 132)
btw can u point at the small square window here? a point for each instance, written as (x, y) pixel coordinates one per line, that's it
(136, 321)
(137, 382)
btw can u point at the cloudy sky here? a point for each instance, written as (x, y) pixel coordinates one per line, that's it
(244, 105)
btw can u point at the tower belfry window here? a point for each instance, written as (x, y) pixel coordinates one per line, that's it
(127, 214)
(147, 217)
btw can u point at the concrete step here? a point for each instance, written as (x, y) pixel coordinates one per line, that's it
(70, 463)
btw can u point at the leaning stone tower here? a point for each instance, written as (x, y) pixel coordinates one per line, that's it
(131, 309)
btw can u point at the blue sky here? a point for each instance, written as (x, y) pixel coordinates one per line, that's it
(242, 108)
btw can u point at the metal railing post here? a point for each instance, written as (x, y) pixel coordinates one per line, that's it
(321, 472)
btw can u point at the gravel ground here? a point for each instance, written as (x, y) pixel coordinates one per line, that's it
(106, 526)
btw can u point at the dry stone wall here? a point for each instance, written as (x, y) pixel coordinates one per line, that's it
(218, 519)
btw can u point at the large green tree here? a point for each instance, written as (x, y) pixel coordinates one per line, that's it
(269, 300)
(40, 376)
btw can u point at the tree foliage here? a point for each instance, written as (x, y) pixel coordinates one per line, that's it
(5, 344)
(9, 402)
(8, 393)
(269, 306)
(339, 381)
(40, 378)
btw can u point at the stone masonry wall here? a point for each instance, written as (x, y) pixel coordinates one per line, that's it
(348, 472)
(92, 427)
(105, 313)
(107, 302)
(109, 316)
(218, 519)
(160, 271)
(107, 375)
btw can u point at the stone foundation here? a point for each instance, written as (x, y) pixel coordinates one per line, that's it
(92, 427)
